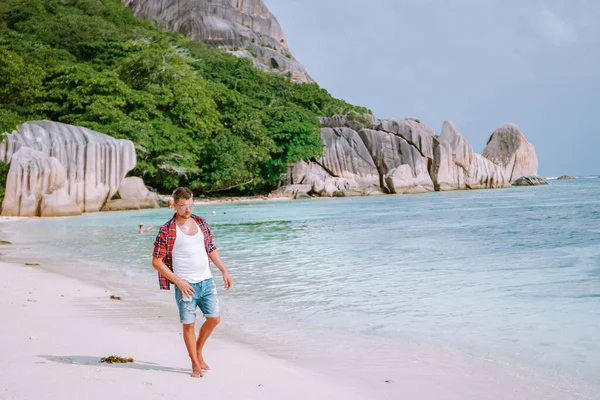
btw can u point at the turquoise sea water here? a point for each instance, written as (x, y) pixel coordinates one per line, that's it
(513, 273)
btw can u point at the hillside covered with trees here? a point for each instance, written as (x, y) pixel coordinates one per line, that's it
(198, 116)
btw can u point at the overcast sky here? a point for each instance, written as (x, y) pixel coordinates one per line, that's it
(479, 63)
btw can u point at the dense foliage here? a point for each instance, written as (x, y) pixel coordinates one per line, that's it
(3, 173)
(198, 116)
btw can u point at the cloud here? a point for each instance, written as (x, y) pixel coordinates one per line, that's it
(555, 28)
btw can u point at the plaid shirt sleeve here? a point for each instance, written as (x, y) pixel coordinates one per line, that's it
(160, 244)
(160, 251)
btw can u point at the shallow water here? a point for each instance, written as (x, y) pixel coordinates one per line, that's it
(511, 273)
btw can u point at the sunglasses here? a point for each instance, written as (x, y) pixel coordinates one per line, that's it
(185, 207)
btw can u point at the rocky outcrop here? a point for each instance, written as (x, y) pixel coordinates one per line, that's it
(413, 131)
(59, 169)
(508, 148)
(401, 166)
(121, 205)
(35, 186)
(457, 166)
(531, 180)
(346, 165)
(134, 194)
(246, 28)
(565, 177)
(364, 155)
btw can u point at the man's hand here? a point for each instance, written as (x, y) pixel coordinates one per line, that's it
(227, 280)
(186, 289)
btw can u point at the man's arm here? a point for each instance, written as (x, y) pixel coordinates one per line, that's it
(216, 258)
(165, 271)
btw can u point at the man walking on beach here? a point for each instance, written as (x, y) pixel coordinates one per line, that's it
(181, 256)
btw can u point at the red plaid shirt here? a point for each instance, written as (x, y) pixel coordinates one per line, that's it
(165, 240)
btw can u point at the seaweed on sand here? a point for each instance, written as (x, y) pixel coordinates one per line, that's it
(115, 360)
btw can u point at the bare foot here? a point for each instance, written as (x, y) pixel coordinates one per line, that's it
(197, 373)
(197, 370)
(203, 365)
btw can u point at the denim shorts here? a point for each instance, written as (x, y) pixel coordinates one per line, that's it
(205, 297)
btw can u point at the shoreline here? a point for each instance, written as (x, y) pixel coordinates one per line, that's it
(203, 200)
(63, 316)
(63, 327)
(11, 219)
(235, 199)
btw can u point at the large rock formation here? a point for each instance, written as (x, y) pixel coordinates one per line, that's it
(457, 166)
(67, 169)
(35, 186)
(363, 155)
(133, 196)
(346, 165)
(246, 28)
(508, 148)
(366, 155)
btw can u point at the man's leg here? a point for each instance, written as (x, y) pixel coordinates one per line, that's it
(207, 328)
(189, 337)
(209, 304)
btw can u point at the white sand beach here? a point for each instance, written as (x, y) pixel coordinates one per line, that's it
(57, 328)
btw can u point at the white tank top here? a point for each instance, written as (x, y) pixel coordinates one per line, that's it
(190, 261)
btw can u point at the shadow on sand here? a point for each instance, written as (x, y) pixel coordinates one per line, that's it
(95, 362)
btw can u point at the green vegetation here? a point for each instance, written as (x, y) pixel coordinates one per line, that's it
(354, 116)
(3, 174)
(252, 52)
(198, 116)
(268, 46)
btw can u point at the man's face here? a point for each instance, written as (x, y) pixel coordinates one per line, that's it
(184, 208)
